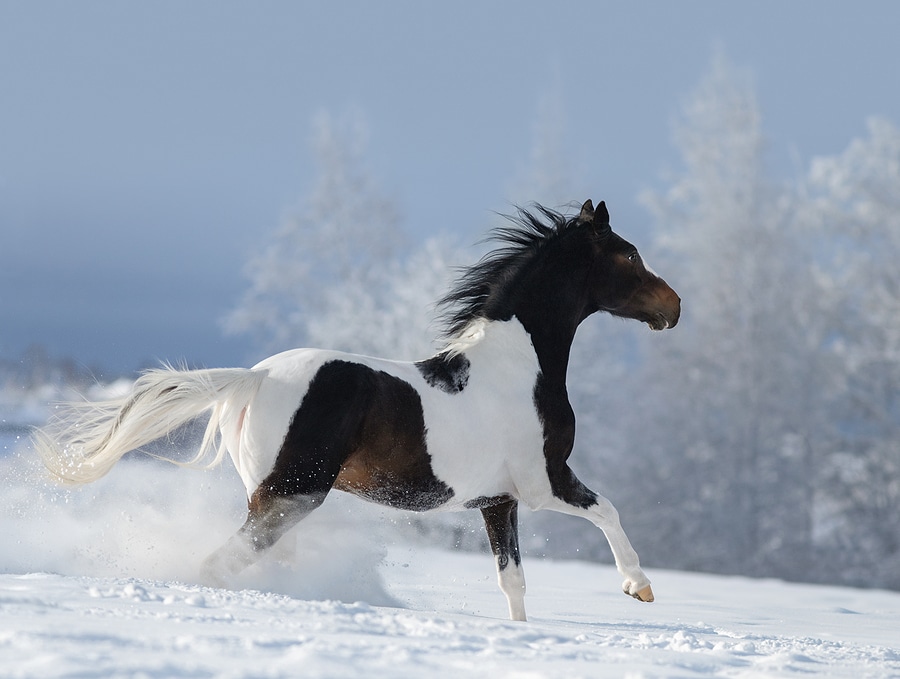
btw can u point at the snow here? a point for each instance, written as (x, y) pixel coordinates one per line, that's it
(101, 582)
(448, 624)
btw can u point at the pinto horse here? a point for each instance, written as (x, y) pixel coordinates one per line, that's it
(483, 424)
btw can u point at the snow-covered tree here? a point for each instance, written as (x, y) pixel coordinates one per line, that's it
(855, 218)
(727, 440)
(343, 234)
(392, 313)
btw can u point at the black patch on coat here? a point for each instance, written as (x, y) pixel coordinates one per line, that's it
(363, 431)
(448, 373)
(558, 422)
(502, 524)
(485, 501)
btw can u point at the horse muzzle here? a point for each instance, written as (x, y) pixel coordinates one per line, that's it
(668, 313)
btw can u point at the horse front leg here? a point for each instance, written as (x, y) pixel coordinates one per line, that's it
(502, 525)
(571, 496)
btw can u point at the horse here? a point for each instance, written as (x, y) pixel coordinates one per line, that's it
(483, 424)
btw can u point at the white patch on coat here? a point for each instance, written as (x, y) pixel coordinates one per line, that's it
(482, 438)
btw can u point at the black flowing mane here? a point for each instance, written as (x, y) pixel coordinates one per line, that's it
(522, 240)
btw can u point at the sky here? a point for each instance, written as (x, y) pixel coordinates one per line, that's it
(147, 150)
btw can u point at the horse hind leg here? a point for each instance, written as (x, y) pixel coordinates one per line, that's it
(322, 434)
(502, 525)
(270, 516)
(303, 475)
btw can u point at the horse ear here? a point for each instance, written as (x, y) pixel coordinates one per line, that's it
(601, 217)
(587, 212)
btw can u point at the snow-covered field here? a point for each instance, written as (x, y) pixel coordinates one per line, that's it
(101, 582)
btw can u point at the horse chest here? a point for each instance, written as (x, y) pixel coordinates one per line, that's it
(480, 444)
(487, 439)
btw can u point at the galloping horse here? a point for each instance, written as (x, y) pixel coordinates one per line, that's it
(483, 424)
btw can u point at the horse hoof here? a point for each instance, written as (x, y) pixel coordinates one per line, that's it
(645, 594)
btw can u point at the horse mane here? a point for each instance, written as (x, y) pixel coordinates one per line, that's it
(522, 239)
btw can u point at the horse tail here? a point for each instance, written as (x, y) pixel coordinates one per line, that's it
(84, 441)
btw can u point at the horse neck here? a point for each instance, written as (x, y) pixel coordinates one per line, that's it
(511, 345)
(552, 346)
(549, 300)
(550, 304)
(551, 321)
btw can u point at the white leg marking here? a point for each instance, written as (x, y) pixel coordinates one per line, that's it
(512, 584)
(606, 518)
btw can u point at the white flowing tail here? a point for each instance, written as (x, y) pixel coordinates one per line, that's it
(85, 440)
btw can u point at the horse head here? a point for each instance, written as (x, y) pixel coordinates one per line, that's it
(620, 283)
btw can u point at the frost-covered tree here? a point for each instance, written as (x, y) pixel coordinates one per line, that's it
(391, 313)
(343, 234)
(727, 440)
(855, 217)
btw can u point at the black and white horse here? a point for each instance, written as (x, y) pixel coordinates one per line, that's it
(483, 424)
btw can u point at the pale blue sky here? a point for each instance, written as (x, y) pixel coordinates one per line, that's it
(147, 147)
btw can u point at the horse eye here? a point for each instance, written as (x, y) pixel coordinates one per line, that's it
(633, 257)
